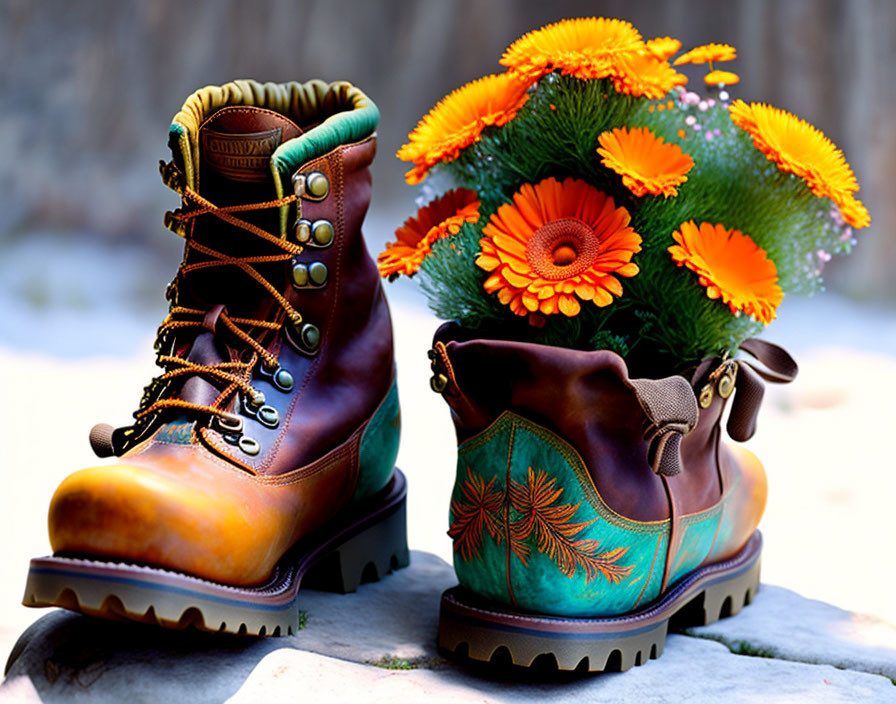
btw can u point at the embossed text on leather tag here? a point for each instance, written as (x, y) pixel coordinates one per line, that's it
(241, 157)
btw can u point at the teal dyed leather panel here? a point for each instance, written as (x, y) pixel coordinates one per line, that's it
(379, 447)
(531, 531)
(176, 432)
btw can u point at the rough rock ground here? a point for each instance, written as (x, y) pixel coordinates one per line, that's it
(824, 440)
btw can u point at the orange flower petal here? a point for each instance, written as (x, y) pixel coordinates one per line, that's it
(641, 74)
(706, 53)
(663, 47)
(646, 163)
(414, 239)
(458, 119)
(798, 148)
(583, 48)
(731, 267)
(569, 306)
(549, 306)
(488, 263)
(854, 212)
(714, 78)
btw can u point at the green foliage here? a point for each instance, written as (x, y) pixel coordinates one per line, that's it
(394, 662)
(664, 316)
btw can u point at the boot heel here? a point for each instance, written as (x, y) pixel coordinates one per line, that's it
(367, 556)
(728, 598)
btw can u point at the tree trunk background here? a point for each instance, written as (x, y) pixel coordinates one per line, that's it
(87, 89)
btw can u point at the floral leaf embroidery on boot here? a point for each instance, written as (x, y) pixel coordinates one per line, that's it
(555, 534)
(482, 506)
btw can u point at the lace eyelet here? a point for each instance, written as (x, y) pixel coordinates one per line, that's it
(229, 423)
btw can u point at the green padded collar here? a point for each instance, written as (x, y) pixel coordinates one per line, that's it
(339, 112)
(329, 113)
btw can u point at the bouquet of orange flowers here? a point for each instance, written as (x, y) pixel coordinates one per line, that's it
(585, 198)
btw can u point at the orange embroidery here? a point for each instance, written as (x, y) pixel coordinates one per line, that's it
(539, 516)
(483, 502)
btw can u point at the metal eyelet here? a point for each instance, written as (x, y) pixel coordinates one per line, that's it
(249, 445)
(705, 397)
(311, 186)
(229, 423)
(303, 336)
(322, 234)
(268, 416)
(303, 231)
(313, 275)
(283, 379)
(280, 378)
(308, 336)
(230, 438)
(726, 382)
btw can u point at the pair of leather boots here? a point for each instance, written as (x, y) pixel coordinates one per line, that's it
(590, 509)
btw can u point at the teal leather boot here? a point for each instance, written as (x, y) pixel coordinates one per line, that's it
(591, 509)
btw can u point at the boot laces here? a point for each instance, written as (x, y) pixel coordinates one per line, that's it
(235, 375)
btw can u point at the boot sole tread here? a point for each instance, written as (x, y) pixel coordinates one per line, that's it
(474, 631)
(350, 550)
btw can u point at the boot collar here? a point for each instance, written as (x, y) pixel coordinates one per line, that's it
(330, 114)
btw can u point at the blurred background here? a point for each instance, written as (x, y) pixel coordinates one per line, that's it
(87, 90)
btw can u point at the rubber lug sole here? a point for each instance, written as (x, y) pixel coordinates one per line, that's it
(473, 630)
(350, 550)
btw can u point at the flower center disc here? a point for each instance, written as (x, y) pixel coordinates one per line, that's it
(562, 248)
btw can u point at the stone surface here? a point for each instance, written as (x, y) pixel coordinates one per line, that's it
(351, 641)
(691, 670)
(784, 625)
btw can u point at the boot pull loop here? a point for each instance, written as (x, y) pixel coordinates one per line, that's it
(101, 440)
(671, 410)
(780, 368)
(106, 441)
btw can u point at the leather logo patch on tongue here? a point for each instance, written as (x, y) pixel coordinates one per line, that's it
(240, 157)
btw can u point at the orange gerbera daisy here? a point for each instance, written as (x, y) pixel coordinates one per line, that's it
(414, 240)
(458, 119)
(643, 75)
(555, 244)
(646, 163)
(583, 48)
(731, 267)
(801, 149)
(714, 78)
(707, 54)
(663, 47)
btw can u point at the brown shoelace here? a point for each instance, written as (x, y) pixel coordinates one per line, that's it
(235, 375)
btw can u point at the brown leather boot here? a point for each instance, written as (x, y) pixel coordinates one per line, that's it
(265, 452)
(590, 508)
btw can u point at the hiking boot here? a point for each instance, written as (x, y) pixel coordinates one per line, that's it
(264, 454)
(590, 509)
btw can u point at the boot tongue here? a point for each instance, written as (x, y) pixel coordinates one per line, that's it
(235, 148)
